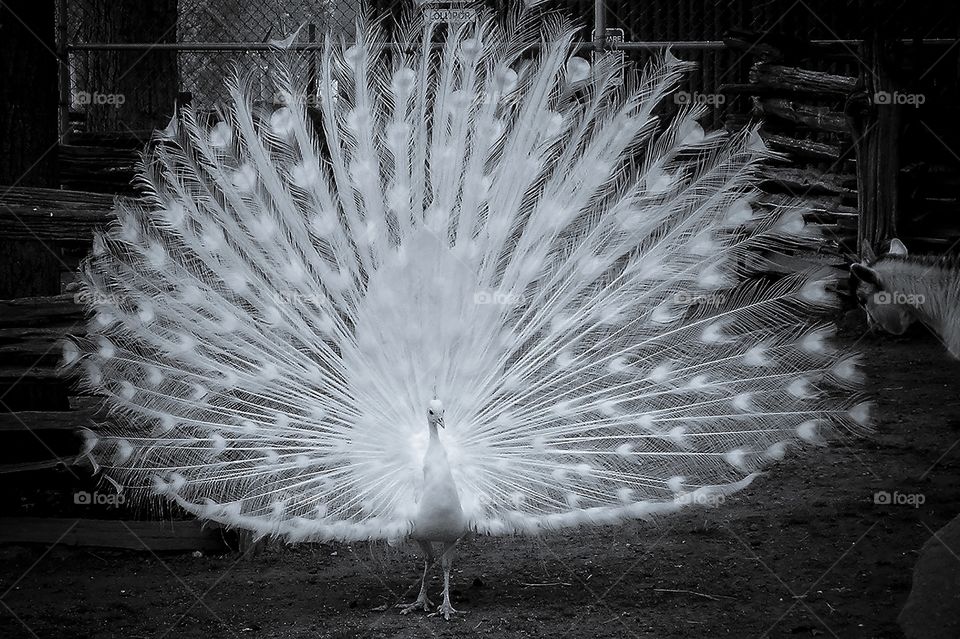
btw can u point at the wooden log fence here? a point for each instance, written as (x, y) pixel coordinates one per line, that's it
(52, 214)
(778, 77)
(31, 330)
(801, 109)
(37, 420)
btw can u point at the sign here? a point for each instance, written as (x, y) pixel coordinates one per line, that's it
(612, 35)
(447, 11)
(449, 15)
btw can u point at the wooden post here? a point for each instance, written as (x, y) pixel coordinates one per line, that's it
(29, 93)
(63, 55)
(876, 124)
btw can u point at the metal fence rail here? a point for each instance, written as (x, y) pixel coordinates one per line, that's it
(194, 51)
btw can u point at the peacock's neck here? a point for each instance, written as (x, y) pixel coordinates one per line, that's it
(436, 454)
(439, 515)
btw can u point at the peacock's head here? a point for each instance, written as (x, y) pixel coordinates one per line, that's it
(435, 413)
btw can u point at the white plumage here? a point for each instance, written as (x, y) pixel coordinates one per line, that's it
(898, 289)
(492, 224)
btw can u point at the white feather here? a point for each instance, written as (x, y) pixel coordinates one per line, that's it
(517, 235)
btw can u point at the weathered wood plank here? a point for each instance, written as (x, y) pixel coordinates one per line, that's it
(793, 79)
(805, 181)
(801, 147)
(31, 329)
(52, 214)
(133, 535)
(33, 343)
(98, 168)
(33, 372)
(23, 467)
(813, 117)
(49, 310)
(46, 420)
(826, 204)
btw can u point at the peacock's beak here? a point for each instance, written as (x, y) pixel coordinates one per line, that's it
(440, 421)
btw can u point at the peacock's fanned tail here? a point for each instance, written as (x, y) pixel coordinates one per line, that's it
(493, 223)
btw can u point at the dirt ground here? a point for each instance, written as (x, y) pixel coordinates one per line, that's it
(803, 552)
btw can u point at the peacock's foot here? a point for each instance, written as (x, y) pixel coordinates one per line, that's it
(422, 603)
(444, 610)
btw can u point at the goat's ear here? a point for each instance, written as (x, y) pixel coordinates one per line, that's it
(897, 247)
(865, 274)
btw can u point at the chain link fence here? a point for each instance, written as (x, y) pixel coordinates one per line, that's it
(202, 72)
(129, 62)
(129, 65)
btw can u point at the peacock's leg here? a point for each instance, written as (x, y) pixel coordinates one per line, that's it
(422, 602)
(446, 560)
